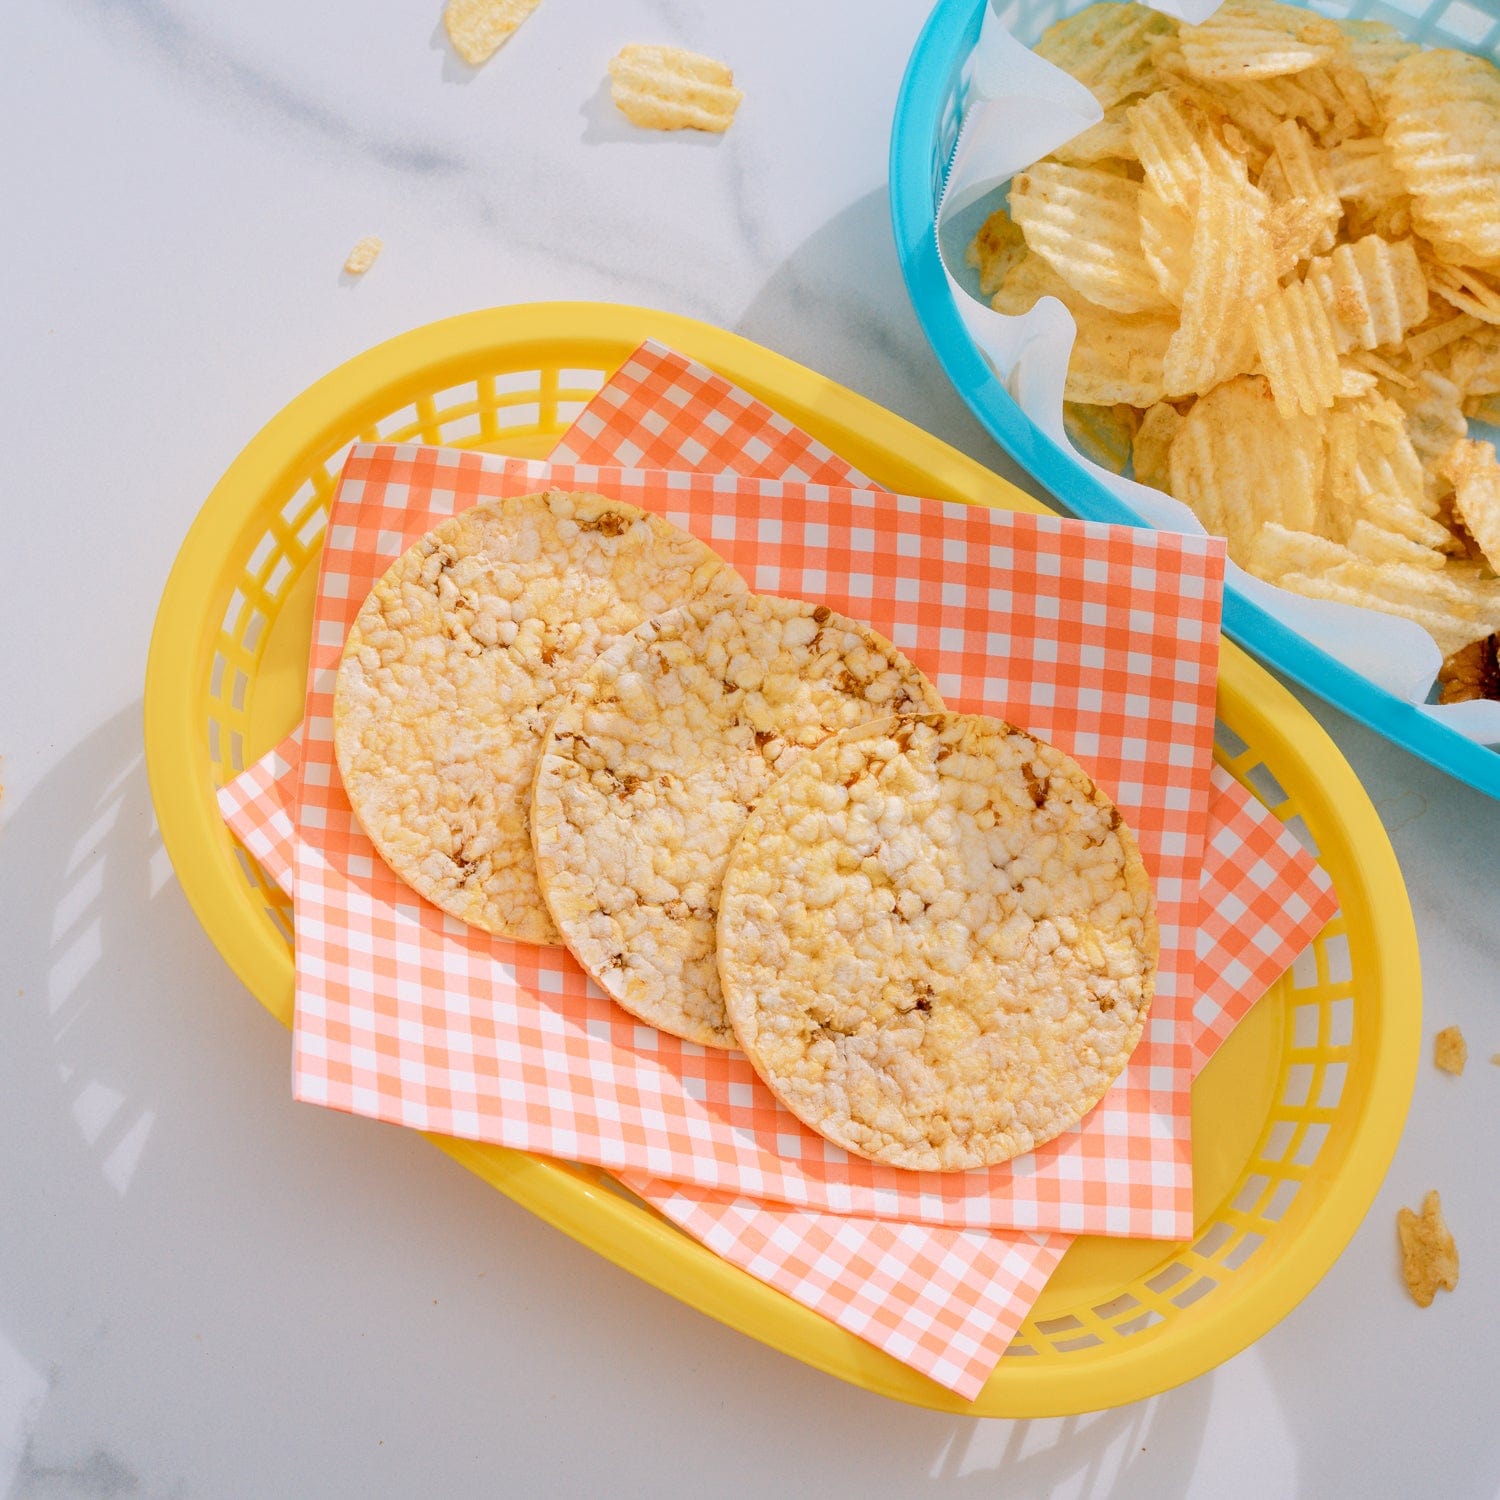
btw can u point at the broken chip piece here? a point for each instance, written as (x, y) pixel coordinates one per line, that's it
(478, 28)
(1449, 1050)
(1429, 1258)
(363, 255)
(667, 88)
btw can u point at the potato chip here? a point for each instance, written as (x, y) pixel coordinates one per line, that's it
(1373, 290)
(1248, 39)
(1434, 421)
(1085, 222)
(1429, 1258)
(1102, 433)
(1376, 544)
(1107, 48)
(1158, 428)
(1438, 331)
(1470, 467)
(1452, 629)
(364, 255)
(1375, 48)
(997, 247)
(1166, 235)
(1278, 549)
(1469, 674)
(1485, 409)
(1374, 471)
(1173, 140)
(1297, 353)
(1231, 269)
(1474, 362)
(1107, 140)
(1238, 463)
(1304, 175)
(477, 28)
(1449, 1050)
(1363, 171)
(667, 88)
(1443, 128)
(1466, 289)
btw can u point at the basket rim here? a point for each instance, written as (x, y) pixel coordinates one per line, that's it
(442, 354)
(946, 38)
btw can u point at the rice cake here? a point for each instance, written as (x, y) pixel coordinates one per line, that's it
(937, 941)
(652, 766)
(458, 660)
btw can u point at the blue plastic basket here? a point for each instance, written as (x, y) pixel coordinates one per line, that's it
(928, 111)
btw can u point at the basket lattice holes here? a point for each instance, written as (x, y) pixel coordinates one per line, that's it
(1300, 1036)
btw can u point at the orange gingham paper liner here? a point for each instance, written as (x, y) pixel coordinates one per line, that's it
(946, 1302)
(1104, 640)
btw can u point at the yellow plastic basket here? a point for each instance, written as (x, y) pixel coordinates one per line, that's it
(1294, 1121)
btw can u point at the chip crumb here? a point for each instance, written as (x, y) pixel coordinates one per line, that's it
(478, 28)
(1449, 1050)
(363, 255)
(1429, 1258)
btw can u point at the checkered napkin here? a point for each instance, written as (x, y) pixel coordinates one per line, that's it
(945, 1301)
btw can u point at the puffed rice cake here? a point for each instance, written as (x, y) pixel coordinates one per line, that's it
(455, 665)
(937, 941)
(653, 764)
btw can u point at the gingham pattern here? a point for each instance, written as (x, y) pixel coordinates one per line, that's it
(947, 1302)
(1264, 898)
(1103, 640)
(259, 807)
(662, 411)
(995, 1276)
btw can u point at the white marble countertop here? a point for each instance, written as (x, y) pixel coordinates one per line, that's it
(206, 1290)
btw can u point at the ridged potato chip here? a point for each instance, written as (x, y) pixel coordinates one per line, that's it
(1158, 429)
(667, 88)
(1297, 353)
(1086, 223)
(1473, 362)
(1374, 291)
(1375, 48)
(1231, 269)
(1249, 39)
(1470, 467)
(1304, 176)
(1466, 289)
(995, 249)
(1238, 463)
(1444, 133)
(1107, 48)
(1434, 421)
(1166, 235)
(1108, 140)
(477, 28)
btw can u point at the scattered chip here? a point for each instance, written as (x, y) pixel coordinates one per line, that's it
(1471, 469)
(477, 28)
(1429, 1258)
(1449, 1050)
(666, 88)
(1444, 134)
(363, 255)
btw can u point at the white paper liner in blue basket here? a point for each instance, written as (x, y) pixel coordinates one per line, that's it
(1020, 107)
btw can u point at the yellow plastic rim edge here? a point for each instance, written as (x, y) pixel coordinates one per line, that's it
(1336, 809)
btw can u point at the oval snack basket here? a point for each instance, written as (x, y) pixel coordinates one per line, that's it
(1296, 1117)
(929, 109)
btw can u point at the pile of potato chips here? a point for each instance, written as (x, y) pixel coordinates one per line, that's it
(1281, 247)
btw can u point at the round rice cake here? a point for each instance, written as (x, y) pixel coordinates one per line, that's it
(652, 766)
(458, 660)
(937, 941)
